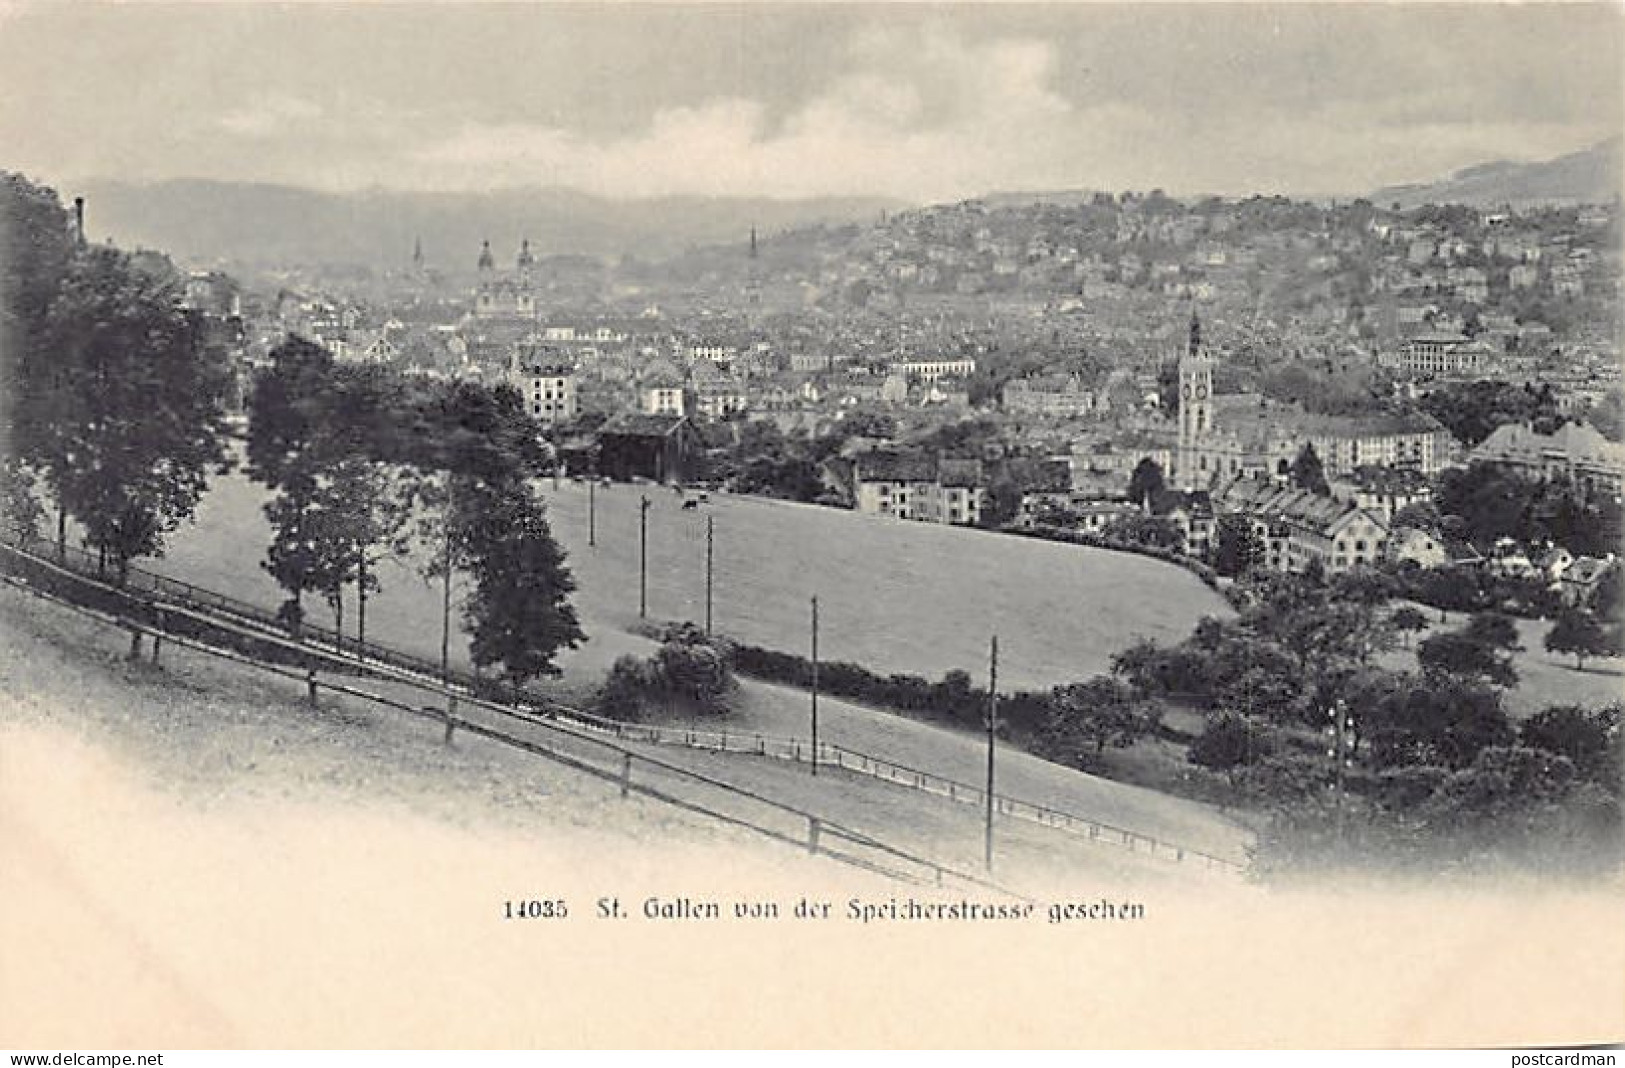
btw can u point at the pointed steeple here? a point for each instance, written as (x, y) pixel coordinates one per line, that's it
(753, 242)
(1196, 333)
(417, 253)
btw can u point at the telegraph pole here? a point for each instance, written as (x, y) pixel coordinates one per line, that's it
(710, 532)
(643, 558)
(1342, 725)
(992, 727)
(815, 685)
(592, 511)
(445, 606)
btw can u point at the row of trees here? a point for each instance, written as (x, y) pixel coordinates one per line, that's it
(364, 466)
(1433, 756)
(112, 392)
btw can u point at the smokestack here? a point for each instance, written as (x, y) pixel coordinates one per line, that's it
(79, 218)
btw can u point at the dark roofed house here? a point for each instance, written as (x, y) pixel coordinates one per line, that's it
(660, 448)
(907, 485)
(1191, 513)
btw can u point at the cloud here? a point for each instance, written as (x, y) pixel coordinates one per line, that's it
(911, 118)
(269, 115)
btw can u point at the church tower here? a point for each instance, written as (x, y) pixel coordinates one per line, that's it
(1195, 406)
(753, 280)
(488, 262)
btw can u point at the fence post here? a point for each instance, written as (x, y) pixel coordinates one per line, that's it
(626, 774)
(310, 681)
(812, 834)
(451, 717)
(158, 637)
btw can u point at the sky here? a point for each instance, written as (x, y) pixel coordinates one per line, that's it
(913, 101)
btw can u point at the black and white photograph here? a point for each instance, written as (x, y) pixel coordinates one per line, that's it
(772, 525)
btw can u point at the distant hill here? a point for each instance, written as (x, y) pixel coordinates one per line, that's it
(1590, 176)
(205, 221)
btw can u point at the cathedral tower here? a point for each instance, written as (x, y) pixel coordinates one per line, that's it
(1195, 406)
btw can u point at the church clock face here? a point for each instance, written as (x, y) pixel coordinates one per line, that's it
(1187, 391)
(1201, 392)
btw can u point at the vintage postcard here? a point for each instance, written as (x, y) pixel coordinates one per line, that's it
(898, 525)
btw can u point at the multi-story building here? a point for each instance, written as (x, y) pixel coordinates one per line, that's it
(1299, 528)
(918, 487)
(1048, 395)
(547, 383)
(932, 370)
(1575, 453)
(1438, 354)
(1247, 435)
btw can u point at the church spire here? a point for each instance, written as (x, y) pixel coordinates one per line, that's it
(417, 253)
(487, 262)
(753, 242)
(1196, 333)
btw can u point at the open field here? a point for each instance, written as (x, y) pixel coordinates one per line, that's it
(1543, 678)
(907, 597)
(896, 597)
(406, 616)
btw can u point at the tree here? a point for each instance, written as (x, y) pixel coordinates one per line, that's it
(1003, 501)
(1085, 717)
(1590, 740)
(146, 420)
(1440, 720)
(696, 672)
(1150, 668)
(358, 518)
(869, 424)
(1308, 474)
(1494, 629)
(18, 503)
(628, 689)
(1146, 482)
(1153, 531)
(518, 613)
(37, 249)
(1579, 633)
(1237, 548)
(1459, 656)
(1229, 742)
(1407, 620)
(1608, 598)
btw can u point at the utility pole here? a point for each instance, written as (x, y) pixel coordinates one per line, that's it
(815, 685)
(1342, 725)
(445, 608)
(361, 604)
(992, 729)
(643, 558)
(592, 512)
(710, 538)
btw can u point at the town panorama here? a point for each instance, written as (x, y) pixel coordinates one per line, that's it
(997, 525)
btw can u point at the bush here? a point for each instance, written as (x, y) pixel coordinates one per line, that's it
(688, 674)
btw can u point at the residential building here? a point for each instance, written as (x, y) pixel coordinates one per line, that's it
(660, 448)
(547, 382)
(1299, 528)
(923, 488)
(1061, 395)
(1438, 354)
(1575, 453)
